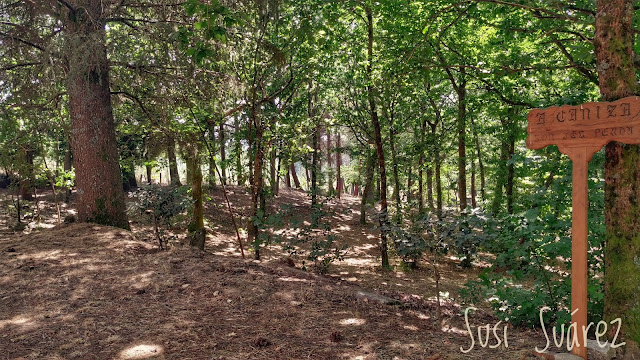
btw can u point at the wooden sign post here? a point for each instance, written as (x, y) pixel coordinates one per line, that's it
(579, 132)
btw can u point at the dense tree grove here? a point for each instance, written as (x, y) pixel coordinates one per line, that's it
(416, 107)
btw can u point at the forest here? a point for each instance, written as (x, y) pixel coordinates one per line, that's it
(312, 179)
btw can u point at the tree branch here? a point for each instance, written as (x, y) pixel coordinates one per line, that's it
(26, 42)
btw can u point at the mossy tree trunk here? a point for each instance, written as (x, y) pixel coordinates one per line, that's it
(197, 232)
(613, 43)
(93, 135)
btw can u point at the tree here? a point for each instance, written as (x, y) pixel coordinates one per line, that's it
(613, 44)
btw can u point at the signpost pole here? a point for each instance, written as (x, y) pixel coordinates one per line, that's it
(580, 160)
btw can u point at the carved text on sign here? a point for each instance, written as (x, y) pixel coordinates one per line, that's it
(590, 125)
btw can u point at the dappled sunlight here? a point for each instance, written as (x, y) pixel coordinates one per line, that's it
(353, 321)
(140, 281)
(293, 279)
(142, 351)
(19, 321)
(454, 330)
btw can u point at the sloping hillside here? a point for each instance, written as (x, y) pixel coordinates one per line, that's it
(90, 292)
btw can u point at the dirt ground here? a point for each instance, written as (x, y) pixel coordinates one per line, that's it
(82, 291)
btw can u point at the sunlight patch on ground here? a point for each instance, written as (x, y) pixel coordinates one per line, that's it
(357, 262)
(353, 321)
(453, 329)
(18, 321)
(141, 280)
(43, 255)
(411, 327)
(292, 279)
(143, 351)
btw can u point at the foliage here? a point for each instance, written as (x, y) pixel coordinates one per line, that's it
(164, 206)
(311, 243)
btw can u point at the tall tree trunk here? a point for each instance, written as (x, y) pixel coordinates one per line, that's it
(238, 152)
(67, 168)
(27, 183)
(174, 175)
(501, 179)
(277, 189)
(315, 168)
(256, 179)
(378, 141)
(329, 163)
(476, 141)
(294, 175)
(287, 178)
(394, 166)
(613, 43)
(339, 184)
(462, 163)
(474, 204)
(367, 195)
(510, 173)
(93, 135)
(272, 170)
(223, 155)
(197, 232)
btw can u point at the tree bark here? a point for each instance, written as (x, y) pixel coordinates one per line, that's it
(93, 136)
(238, 152)
(174, 175)
(394, 166)
(338, 165)
(474, 204)
(613, 41)
(378, 141)
(257, 183)
(197, 232)
(329, 163)
(367, 195)
(294, 175)
(67, 168)
(510, 173)
(223, 155)
(480, 163)
(462, 163)
(316, 147)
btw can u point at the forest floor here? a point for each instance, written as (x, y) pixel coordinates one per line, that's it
(83, 291)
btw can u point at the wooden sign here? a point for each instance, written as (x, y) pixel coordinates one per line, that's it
(579, 132)
(590, 125)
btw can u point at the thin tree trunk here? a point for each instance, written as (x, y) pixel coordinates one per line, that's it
(272, 170)
(394, 166)
(316, 148)
(378, 141)
(238, 153)
(329, 163)
(287, 179)
(174, 175)
(223, 155)
(474, 204)
(257, 183)
(94, 143)
(476, 141)
(338, 165)
(367, 195)
(462, 163)
(501, 179)
(197, 232)
(277, 189)
(510, 174)
(294, 175)
(67, 169)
